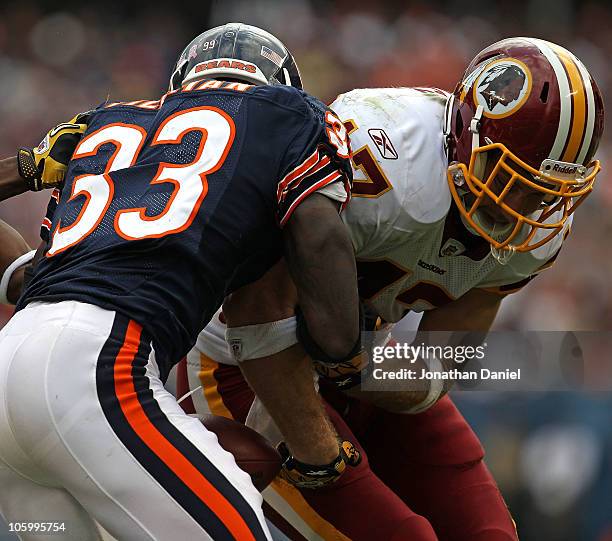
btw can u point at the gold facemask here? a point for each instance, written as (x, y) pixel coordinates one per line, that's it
(563, 187)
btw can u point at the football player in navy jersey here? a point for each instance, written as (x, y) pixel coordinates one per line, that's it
(167, 208)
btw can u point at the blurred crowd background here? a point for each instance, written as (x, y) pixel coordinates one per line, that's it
(552, 452)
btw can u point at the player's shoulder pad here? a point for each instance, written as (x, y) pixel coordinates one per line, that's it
(282, 95)
(97, 114)
(412, 121)
(549, 249)
(290, 97)
(319, 146)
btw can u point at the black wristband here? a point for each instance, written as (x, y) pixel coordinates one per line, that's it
(291, 462)
(313, 349)
(348, 381)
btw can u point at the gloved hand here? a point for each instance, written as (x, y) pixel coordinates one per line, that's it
(345, 374)
(313, 476)
(45, 166)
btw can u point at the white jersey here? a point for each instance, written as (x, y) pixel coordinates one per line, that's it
(413, 251)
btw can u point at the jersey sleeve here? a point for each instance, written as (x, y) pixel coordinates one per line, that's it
(317, 160)
(45, 226)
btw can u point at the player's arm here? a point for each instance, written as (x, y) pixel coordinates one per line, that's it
(283, 381)
(471, 316)
(32, 169)
(315, 179)
(322, 263)
(11, 182)
(44, 166)
(474, 313)
(322, 266)
(282, 378)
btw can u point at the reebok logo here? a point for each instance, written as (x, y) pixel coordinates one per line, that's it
(383, 143)
(431, 267)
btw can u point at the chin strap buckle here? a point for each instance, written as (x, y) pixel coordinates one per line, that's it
(448, 117)
(475, 127)
(457, 174)
(503, 256)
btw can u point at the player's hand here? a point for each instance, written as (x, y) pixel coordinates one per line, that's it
(344, 375)
(45, 166)
(313, 476)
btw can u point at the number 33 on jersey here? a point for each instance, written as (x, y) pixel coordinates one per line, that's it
(165, 200)
(189, 180)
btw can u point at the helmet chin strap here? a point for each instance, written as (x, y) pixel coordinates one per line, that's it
(448, 118)
(502, 256)
(177, 77)
(287, 77)
(475, 127)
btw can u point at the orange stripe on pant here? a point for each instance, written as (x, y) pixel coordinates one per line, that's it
(321, 527)
(167, 453)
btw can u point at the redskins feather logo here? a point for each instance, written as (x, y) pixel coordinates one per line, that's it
(502, 87)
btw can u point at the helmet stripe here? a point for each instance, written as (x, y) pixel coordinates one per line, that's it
(590, 125)
(579, 107)
(564, 97)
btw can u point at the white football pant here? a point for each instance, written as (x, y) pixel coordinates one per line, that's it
(87, 430)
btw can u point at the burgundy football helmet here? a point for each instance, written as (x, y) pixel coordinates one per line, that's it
(526, 118)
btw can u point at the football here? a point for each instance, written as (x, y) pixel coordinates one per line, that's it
(253, 453)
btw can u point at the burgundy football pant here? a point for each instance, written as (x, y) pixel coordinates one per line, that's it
(422, 476)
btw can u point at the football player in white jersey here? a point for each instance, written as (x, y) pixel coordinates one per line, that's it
(459, 199)
(73, 447)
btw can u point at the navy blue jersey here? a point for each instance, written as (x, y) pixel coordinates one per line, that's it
(168, 206)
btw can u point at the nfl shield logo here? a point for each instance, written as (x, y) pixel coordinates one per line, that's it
(235, 345)
(452, 247)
